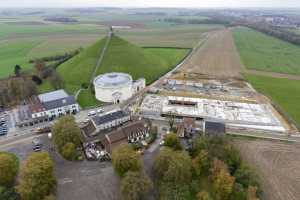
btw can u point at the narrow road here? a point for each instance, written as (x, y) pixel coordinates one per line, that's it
(272, 74)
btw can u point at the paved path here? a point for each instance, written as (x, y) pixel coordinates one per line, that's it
(99, 61)
(98, 64)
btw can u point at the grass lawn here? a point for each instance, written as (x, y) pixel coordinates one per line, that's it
(262, 52)
(45, 87)
(79, 69)
(87, 99)
(171, 55)
(283, 91)
(12, 53)
(123, 56)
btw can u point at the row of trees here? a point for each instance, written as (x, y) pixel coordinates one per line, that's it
(277, 32)
(212, 20)
(61, 57)
(67, 137)
(37, 180)
(231, 177)
(135, 184)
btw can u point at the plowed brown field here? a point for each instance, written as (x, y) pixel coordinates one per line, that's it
(217, 57)
(278, 164)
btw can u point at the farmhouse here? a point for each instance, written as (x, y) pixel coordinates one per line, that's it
(130, 133)
(110, 120)
(116, 87)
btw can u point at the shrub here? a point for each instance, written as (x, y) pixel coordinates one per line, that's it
(172, 141)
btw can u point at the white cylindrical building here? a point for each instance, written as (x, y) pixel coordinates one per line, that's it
(113, 87)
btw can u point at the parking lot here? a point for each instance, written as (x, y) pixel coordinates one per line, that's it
(75, 180)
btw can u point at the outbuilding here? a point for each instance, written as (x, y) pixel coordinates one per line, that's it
(211, 128)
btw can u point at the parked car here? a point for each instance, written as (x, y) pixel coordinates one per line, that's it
(100, 110)
(92, 113)
(37, 144)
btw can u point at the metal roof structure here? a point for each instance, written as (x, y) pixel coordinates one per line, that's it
(98, 120)
(113, 79)
(51, 96)
(214, 128)
(57, 103)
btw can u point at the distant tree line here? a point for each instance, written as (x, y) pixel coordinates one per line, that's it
(197, 21)
(275, 32)
(61, 19)
(61, 57)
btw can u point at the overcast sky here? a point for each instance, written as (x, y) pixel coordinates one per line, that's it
(151, 3)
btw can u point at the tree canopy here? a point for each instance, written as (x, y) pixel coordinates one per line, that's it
(223, 182)
(9, 166)
(37, 177)
(135, 185)
(125, 159)
(69, 151)
(66, 131)
(174, 173)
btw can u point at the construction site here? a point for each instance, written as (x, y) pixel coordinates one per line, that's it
(209, 86)
(233, 106)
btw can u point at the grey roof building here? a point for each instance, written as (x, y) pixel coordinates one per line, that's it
(57, 103)
(111, 120)
(51, 96)
(53, 104)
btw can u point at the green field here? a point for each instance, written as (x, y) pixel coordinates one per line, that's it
(121, 56)
(20, 43)
(167, 35)
(79, 69)
(284, 92)
(262, 52)
(297, 31)
(87, 99)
